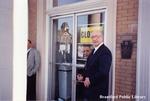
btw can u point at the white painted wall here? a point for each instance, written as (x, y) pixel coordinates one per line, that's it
(143, 51)
(13, 46)
(41, 43)
(6, 49)
(20, 32)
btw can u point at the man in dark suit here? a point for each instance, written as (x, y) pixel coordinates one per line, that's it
(96, 76)
(33, 63)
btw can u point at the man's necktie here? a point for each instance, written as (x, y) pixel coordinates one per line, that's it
(93, 51)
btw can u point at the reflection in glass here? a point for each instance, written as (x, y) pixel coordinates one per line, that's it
(62, 57)
(64, 44)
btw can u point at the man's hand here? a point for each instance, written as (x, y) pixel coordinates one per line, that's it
(86, 82)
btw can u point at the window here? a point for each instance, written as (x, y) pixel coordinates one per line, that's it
(64, 2)
(86, 24)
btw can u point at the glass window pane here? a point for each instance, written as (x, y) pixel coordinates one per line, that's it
(64, 2)
(62, 57)
(63, 40)
(85, 25)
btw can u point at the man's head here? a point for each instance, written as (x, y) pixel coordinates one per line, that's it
(97, 38)
(29, 44)
(86, 51)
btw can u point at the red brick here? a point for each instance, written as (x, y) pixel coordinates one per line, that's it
(127, 19)
(32, 21)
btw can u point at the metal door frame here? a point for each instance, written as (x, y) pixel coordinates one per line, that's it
(51, 50)
(74, 45)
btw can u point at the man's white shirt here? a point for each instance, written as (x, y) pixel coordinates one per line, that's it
(96, 48)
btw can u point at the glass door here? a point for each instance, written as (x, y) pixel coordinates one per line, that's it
(86, 23)
(62, 45)
(71, 45)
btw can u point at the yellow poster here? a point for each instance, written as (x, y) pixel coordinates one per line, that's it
(85, 33)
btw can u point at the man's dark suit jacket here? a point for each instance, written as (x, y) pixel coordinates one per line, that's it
(97, 69)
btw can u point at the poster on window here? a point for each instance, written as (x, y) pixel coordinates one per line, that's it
(85, 33)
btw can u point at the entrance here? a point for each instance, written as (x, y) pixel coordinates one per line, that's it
(70, 47)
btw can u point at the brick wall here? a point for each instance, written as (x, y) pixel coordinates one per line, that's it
(32, 20)
(127, 21)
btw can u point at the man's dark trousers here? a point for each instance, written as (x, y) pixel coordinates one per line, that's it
(31, 87)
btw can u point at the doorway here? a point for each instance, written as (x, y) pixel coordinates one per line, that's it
(70, 47)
